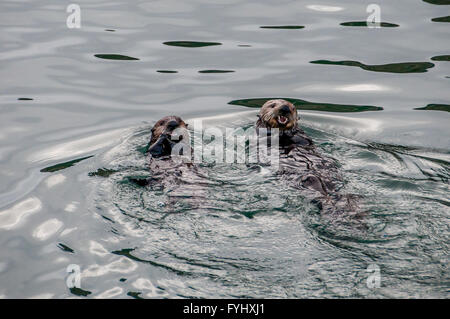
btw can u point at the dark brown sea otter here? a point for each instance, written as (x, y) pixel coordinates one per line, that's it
(171, 164)
(168, 143)
(300, 162)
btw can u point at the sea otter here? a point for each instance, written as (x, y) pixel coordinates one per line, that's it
(171, 165)
(300, 162)
(169, 140)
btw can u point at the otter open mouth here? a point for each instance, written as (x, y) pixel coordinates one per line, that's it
(282, 120)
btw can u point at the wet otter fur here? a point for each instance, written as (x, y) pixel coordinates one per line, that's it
(163, 140)
(301, 165)
(173, 175)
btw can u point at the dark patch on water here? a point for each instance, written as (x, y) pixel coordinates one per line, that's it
(79, 292)
(127, 253)
(166, 71)
(244, 45)
(191, 44)
(123, 279)
(287, 27)
(115, 57)
(110, 30)
(103, 172)
(25, 99)
(435, 107)
(441, 58)
(306, 105)
(405, 67)
(108, 219)
(364, 24)
(140, 181)
(134, 294)
(438, 2)
(65, 248)
(441, 19)
(64, 165)
(216, 71)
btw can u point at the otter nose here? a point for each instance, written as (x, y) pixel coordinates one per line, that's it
(285, 109)
(172, 124)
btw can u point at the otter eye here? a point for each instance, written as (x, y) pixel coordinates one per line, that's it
(272, 105)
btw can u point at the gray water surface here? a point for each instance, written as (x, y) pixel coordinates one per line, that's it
(73, 101)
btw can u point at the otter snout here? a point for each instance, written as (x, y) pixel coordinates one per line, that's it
(161, 146)
(171, 125)
(285, 109)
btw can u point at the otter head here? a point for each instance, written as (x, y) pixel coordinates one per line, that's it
(163, 138)
(278, 114)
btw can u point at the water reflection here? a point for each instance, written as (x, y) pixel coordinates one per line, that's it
(121, 265)
(435, 107)
(364, 24)
(47, 229)
(287, 27)
(110, 293)
(16, 215)
(65, 248)
(80, 292)
(441, 58)
(306, 105)
(61, 166)
(216, 71)
(362, 88)
(323, 8)
(405, 67)
(55, 180)
(438, 2)
(166, 71)
(441, 19)
(115, 57)
(98, 249)
(191, 44)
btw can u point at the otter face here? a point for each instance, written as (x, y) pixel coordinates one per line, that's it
(279, 114)
(163, 140)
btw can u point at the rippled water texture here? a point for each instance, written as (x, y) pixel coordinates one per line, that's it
(76, 110)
